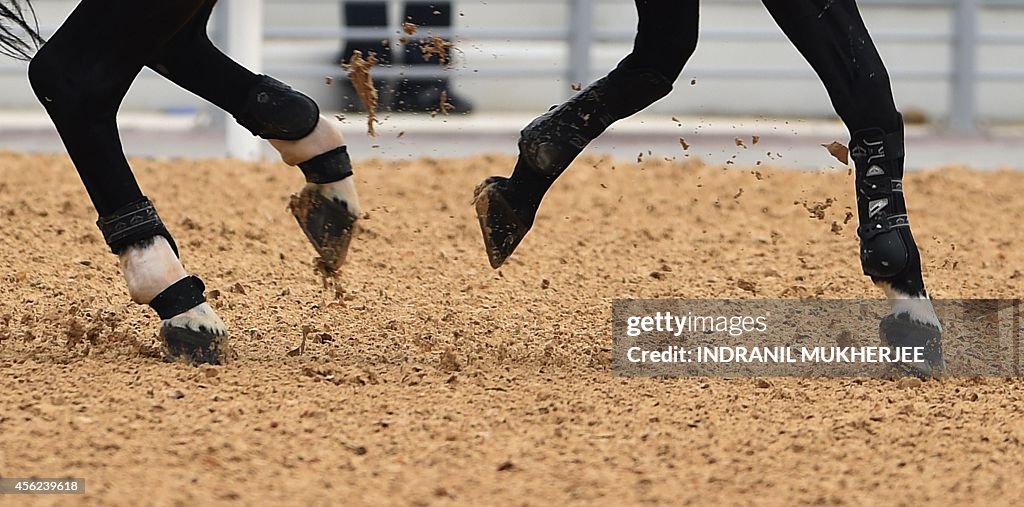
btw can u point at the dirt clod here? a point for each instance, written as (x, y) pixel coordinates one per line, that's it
(359, 73)
(436, 46)
(910, 383)
(839, 151)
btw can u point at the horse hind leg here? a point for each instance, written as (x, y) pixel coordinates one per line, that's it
(81, 76)
(506, 208)
(190, 328)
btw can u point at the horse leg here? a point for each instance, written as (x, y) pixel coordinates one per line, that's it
(832, 37)
(666, 38)
(81, 75)
(327, 207)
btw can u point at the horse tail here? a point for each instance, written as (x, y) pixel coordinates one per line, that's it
(19, 29)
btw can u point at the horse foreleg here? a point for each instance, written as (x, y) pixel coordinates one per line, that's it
(80, 76)
(888, 253)
(831, 35)
(327, 207)
(506, 207)
(149, 261)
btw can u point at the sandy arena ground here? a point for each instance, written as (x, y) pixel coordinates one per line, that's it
(426, 378)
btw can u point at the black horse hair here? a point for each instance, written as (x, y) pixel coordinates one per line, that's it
(19, 29)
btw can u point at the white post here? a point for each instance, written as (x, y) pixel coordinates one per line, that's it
(243, 39)
(963, 92)
(581, 38)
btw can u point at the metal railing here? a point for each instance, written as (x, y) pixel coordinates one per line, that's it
(962, 37)
(241, 29)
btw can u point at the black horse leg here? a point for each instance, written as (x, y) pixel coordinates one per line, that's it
(328, 207)
(832, 37)
(666, 38)
(81, 76)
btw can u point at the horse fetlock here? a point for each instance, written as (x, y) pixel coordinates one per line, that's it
(552, 141)
(549, 147)
(274, 110)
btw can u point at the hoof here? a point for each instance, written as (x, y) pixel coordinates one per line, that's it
(197, 336)
(900, 331)
(502, 228)
(327, 223)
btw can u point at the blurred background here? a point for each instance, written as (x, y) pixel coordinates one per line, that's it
(957, 69)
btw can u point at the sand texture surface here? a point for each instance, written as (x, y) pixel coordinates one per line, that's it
(422, 377)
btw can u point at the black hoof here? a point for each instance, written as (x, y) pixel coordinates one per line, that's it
(900, 331)
(327, 223)
(502, 228)
(195, 347)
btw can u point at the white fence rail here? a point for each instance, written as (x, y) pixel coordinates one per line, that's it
(962, 38)
(242, 29)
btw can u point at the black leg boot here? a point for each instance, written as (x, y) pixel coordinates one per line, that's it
(888, 252)
(506, 207)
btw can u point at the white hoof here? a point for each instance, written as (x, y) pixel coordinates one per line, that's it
(201, 319)
(343, 191)
(198, 336)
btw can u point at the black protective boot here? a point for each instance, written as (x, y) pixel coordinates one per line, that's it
(888, 252)
(506, 207)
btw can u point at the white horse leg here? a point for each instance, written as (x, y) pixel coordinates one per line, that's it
(150, 268)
